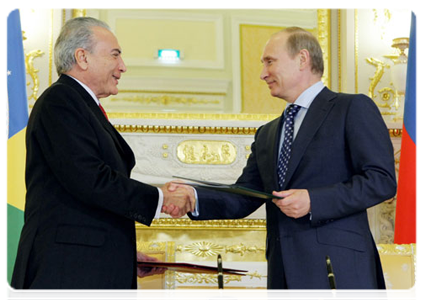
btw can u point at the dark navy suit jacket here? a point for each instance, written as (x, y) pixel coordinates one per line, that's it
(343, 156)
(81, 205)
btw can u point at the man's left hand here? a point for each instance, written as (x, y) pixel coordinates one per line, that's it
(295, 203)
(143, 271)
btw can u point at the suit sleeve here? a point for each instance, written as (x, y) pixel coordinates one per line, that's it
(72, 148)
(219, 205)
(371, 156)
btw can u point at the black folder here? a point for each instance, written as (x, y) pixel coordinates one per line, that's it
(232, 188)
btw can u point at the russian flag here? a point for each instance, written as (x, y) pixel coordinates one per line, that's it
(405, 219)
(16, 151)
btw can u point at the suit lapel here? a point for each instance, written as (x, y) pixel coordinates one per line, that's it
(314, 118)
(117, 138)
(276, 132)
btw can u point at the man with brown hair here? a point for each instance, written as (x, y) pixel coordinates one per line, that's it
(330, 157)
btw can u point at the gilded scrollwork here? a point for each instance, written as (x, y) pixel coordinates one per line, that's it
(380, 70)
(241, 249)
(33, 72)
(233, 224)
(197, 278)
(166, 129)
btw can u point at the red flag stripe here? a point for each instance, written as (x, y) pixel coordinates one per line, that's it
(405, 219)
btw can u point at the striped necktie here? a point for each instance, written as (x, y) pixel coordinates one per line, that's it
(285, 154)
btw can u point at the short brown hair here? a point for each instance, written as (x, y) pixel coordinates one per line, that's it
(299, 39)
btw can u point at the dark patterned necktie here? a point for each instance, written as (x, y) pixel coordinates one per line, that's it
(104, 112)
(285, 154)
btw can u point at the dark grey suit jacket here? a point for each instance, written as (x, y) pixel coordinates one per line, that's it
(81, 205)
(344, 157)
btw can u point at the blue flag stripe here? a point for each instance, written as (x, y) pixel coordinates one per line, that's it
(16, 78)
(410, 90)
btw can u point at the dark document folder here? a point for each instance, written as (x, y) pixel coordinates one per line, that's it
(188, 268)
(232, 188)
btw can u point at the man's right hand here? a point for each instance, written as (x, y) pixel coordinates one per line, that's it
(178, 199)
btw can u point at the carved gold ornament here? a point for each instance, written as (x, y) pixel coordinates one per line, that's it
(206, 152)
(241, 249)
(202, 249)
(380, 70)
(197, 278)
(32, 71)
(207, 249)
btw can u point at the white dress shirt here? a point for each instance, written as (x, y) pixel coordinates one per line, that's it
(304, 100)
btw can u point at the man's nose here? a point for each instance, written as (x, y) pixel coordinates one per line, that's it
(122, 66)
(264, 74)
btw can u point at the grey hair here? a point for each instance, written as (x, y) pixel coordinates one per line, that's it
(76, 33)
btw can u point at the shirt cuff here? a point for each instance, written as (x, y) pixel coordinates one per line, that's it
(196, 211)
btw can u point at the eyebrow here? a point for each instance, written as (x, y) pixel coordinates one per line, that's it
(267, 58)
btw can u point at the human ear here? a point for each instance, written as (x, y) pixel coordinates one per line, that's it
(304, 58)
(81, 58)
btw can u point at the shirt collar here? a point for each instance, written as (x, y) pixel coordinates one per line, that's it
(306, 97)
(87, 89)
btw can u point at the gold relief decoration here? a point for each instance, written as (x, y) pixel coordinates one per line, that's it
(197, 278)
(202, 249)
(241, 249)
(389, 97)
(168, 129)
(206, 152)
(156, 246)
(32, 71)
(184, 223)
(380, 70)
(382, 17)
(207, 249)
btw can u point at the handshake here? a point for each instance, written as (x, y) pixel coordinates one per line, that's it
(178, 199)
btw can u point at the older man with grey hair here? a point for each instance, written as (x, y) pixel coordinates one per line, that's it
(81, 203)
